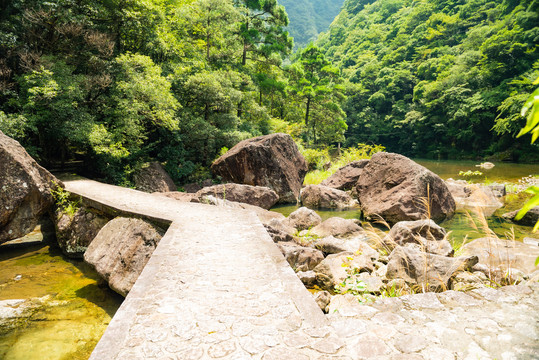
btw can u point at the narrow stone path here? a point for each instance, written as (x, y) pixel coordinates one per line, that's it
(218, 287)
(215, 287)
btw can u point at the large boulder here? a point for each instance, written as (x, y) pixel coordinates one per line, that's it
(338, 227)
(426, 271)
(425, 234)
(323, 197)
(271, 160)
(25, 190)
(397, 189)
(154, 178)
(474, 196)
(299, 257)
(75, 232)
(346, 177)
(498, 253)
(260, 196)
(335, 268)
(303, 219)
(120, 251)
(529, 219)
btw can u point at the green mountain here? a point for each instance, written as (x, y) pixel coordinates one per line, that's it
(437, 78)
(308, 18)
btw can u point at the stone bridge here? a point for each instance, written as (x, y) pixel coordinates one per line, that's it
(217, 287)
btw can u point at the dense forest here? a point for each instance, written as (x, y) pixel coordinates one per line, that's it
(438, 78)
(116, 83)
(308, 18)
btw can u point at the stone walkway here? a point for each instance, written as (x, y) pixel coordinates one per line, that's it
(218, 287)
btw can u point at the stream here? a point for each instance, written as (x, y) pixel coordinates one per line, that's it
(55, 308)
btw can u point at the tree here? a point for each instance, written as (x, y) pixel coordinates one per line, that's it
(262, 30)
(320, 85)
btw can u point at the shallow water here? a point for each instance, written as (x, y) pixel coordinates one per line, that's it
(501, 172)
(69, 306)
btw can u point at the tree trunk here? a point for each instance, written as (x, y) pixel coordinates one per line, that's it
(307, 110)
(244, 55)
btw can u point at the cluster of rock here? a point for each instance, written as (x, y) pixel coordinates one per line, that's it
(118, 248)
(332, 254)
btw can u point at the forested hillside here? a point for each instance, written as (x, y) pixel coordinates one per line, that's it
(308, 18)
(437, 77)
(117, 83)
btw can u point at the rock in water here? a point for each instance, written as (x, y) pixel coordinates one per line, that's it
(474, 196)
(529, 219)
(120, 251)
(25, 190)
(396, 188)
(271, 160)
(303, 219)
(346, 177)
(74, 233)
(323, 197)
(154, 178)
(260, 196)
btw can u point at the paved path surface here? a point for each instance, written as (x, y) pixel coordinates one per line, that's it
(217, 287)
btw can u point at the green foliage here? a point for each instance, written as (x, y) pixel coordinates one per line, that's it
(325, 161)
(63, 200)
(435, 78)
(308, 18)
(319, 85)
(532, 125)
(470, 173)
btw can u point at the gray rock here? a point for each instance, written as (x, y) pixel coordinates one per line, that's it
(426, 271)
(499, 253)
(25, 190)
(333, 269)
(300, 258)
(177, 195)
(465, 281)
(338, 227)
(264, 215)
(392, 186)
(529, 219)
(153, 178)
(308, 278)
(260, 196)
(323, 298)
(279, 230)
(425, 234)
(373, 283)
(271, 160)
(474, 196)
(346, 177)
(333, 245)
(75, 233)
(303, 218)
(530, 241)
(323, 197)
(120, 251)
